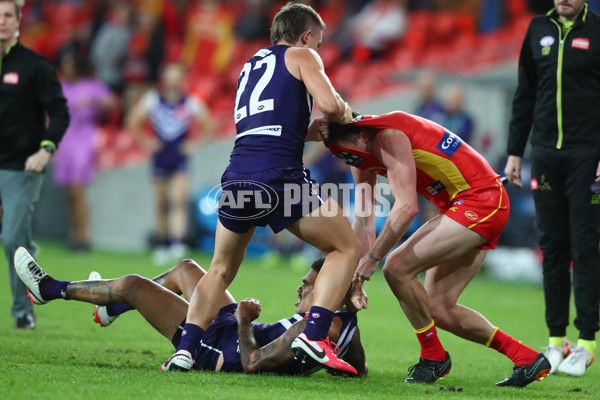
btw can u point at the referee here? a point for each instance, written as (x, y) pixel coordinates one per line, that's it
(33, 119)
(558, 95)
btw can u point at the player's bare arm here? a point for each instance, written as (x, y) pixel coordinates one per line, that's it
(306, 65)
(267, 358)
(135, 120)
(364, 225)
(394, 150)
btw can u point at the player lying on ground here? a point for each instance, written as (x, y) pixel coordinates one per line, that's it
(419, 156)
(262, 347)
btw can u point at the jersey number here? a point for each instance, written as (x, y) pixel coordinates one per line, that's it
(255, 105)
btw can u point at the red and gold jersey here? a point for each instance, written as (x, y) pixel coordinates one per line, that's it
(445, 164)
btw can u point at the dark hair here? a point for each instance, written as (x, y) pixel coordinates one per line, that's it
(292, 21)
(318, 264)
(345, 133)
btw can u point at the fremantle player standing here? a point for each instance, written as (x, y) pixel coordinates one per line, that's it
(273, 104)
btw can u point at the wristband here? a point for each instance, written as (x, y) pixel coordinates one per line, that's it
(48, 145)
(372, 257)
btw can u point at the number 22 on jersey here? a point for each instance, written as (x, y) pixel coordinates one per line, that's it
(264, 66)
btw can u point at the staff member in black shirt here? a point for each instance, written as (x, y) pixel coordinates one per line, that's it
(29, 93)
(558, 95)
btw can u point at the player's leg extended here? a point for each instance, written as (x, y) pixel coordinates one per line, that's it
(163, 309)
(208, 295)
(330, 232)
(207, 298)
(183, 278)
(437, 242)
(444, 285)
(327, 229)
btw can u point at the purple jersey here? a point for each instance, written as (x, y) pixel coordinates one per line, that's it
(272, 113)
(221, 337)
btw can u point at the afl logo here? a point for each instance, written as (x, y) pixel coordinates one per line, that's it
(256, 198)
(595, 188)
(471, 215)
(547, 41)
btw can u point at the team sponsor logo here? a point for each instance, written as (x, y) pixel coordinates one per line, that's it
(435, 188)
(472, 215)
(453, 209)
(459, 202)
(351, 159)
(595, 188)
(580, 43)
(449, 144)
(12, 78)
(261, 199)
(545, 51)
(544, 184)
(547, 41)
(534, 184)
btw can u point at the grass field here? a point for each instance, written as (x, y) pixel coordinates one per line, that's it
(70, 357)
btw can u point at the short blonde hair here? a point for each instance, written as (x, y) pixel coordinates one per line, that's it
(292, 21)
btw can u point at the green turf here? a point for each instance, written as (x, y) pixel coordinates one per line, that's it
(70, 357)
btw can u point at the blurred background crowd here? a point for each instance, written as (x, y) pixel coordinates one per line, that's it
(124, 43)
(371, 49)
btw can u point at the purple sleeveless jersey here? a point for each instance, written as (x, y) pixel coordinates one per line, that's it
(272, 113)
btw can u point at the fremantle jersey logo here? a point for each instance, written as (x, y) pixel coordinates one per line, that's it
(449, 144)
(351, 159)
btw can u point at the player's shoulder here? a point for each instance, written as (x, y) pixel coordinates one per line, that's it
(302, 55)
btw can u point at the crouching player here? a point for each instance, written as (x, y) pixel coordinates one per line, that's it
(232, 343)
(420, 156)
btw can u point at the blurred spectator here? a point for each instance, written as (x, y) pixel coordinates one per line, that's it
(379, 24)
(456, 118)
(254, 22)
(172, 115)
(146, 51)
(74, 168)
(429, 106)
(209, 39)
(110, 46)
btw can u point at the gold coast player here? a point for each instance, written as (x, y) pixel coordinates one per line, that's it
(419, 156)
(233, 342)
(272, 111)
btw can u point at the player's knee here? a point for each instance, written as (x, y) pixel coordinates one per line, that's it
(128, 283)
(393, 271)
(187, 267)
